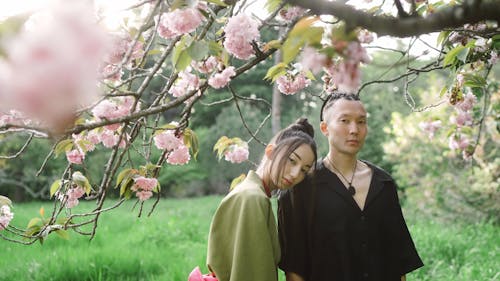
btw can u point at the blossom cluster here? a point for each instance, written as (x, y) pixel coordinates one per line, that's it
(5, 216)
(236, 153)
(430, 127)
(143, 187)
(55, 57)
(221, 79)
(290, 84)
(178, 22)
(291, 13)
(178, 151)
(240, 31)
(120, 46)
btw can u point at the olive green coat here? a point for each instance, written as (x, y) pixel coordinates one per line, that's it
(243, 241)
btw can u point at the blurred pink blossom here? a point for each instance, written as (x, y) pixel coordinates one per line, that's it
(345, 76)
(143, 183)
(72, 196)
(467, 103)
(365, 36)
(143, 195)
(311, 60)
(5, 216)
(55, 59)
(291, 13)
(219, 80)
(75, 156)
(240, 31)
(179, 156)
(289, 84)
(458, 142)
(236, 154)
(463, 118)
(185, 83)
(206, 66)
(167, 140)
(430, 127)
(355, 53)
(178, 22)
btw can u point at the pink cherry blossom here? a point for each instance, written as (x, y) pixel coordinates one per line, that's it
(289, 84)
(75, 193)
(206, 66)
(5, 216)
(147, 184)
(458, 142)
(113, 108)
(75, 156)
(311, 60)
(467, 103)
(185, 83)
(179, 156)
(167, 140)
(143, 195)
(345, 76)
(240, 31)
(291, 13)
(430, 127)
(179, 21)
(493, 57)
(355, 53)
(55, 59)
(365, 36)
(463, 118)
(236, 154)
(219, 80)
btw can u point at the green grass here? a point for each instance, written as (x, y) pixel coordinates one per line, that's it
(170, 243)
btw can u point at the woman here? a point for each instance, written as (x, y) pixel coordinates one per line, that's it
(243, 240)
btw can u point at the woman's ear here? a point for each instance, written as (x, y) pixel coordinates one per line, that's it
(324, 128)
(269, 150)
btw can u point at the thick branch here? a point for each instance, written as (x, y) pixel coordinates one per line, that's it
(448, 17)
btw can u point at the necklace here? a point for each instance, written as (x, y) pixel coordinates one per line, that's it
(351, 188)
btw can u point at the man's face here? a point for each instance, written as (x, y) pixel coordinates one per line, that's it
(345, 126)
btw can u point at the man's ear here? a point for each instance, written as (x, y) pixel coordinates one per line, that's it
(324, 128)
(269, 150)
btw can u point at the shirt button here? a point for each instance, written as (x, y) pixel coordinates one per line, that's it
(363, 218)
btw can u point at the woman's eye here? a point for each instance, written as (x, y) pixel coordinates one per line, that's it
(291, 160)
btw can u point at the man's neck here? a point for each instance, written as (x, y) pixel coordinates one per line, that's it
(342, 162)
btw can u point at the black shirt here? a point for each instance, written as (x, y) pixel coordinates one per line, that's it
(324, 235)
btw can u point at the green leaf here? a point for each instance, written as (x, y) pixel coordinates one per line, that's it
(62, 233)
(125, 186)
(272, 5)
(54, 187)
(443, 91)
(198, 50)
(474, 81)
(63, 146)
(236, 181)
(275, 71)
(34, 222)
(302, 33)
(443, 35)
(452, 55)
(194, 142)
(310, 75)
(123, 175)
(217, 2)
(214, 48)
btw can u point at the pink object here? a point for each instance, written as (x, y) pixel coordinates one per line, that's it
(196, 275)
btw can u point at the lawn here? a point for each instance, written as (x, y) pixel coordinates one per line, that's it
(168, 244)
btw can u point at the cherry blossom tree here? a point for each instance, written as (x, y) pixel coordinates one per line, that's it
(64, 77)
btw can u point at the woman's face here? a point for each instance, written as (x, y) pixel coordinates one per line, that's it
(297, 165)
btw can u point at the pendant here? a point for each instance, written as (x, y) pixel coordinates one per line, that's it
(352, 190)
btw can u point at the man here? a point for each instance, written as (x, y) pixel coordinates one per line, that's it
(346, 222)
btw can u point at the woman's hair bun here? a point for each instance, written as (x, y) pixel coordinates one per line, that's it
(302, 124)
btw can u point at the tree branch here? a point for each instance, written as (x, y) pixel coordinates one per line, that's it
(448, 17)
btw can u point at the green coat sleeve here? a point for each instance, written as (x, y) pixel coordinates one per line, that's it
(243, 243)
